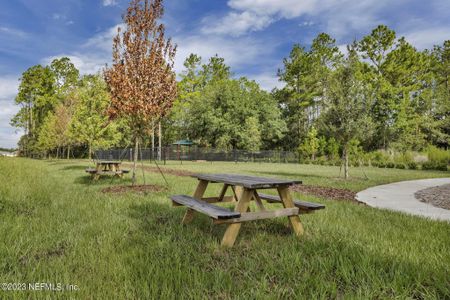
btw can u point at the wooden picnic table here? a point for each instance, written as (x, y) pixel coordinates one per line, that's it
(105, 167)
(244, 190)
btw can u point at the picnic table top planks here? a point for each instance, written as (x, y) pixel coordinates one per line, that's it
(108, 162)
(250, 182)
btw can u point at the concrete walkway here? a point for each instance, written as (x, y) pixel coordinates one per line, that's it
(400, 196)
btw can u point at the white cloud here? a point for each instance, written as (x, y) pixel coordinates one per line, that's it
(427, 38)
(237, 24)
(237, 52)
(103, 40)
(267, 81)
(8, 91)
(88, 63)
(8, 87)
(12, 32)
(9, 137)
(109, 2)
(339, 17)
(307, 23)
(285, 8)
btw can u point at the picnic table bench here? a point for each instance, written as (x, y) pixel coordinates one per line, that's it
(106, 168)
(244, 190)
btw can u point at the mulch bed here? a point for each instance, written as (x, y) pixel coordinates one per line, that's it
(136, 189)
(165, 170)
(438, 196)
(326, 192)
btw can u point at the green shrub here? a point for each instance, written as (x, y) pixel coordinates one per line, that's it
(437, 155)
(433, 165)
(400, 166)
(390, 165)
(381, 165)
(412, 165)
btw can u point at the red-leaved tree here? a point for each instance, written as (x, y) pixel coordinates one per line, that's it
(141, 79)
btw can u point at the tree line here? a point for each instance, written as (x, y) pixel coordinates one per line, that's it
(381, 93)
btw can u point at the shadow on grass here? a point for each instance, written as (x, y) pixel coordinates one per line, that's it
(157, 218)
(324, 260)
(303, 176)
(290, 174)
(75, 167)
(88, 180)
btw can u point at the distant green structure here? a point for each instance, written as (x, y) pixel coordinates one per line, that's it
(180, 143)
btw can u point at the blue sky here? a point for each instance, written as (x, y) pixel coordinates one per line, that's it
(252, 35)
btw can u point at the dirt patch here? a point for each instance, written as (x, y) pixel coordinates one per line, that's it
(148, 188)
(58, 251)
(165, 170)
(438, 196)
(326, 192)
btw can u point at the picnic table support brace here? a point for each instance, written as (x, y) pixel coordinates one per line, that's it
(288, 202)
(232, 230)
(201, 188)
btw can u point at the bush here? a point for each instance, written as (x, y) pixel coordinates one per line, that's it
(390, 165)
(400, 166)
(412, 165)
(432, 165)
(437, 155)
(381, 165)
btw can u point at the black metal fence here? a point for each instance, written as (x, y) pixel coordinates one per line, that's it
(199, 154)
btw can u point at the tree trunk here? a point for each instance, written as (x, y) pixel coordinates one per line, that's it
(135, 158)
(159, 140)
(345, 154)
(90, 151)
(153, 141)
(68, 152)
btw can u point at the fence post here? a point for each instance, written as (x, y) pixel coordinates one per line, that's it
(165, 153)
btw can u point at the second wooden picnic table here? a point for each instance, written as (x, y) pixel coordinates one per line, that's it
(245, 189)
(106, 167)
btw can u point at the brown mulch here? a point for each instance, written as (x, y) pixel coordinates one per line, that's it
(136, 188)
(438, 196)
(326, 192)
(166, 171)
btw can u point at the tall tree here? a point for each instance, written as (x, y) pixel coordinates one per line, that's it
(347, 107)
(141, 79)
(376, 47)
(305, 74)
(37, 98)
(90, 124)
(441, 94)
(297, 95)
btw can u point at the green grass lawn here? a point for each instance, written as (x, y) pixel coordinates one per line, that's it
(56, 226)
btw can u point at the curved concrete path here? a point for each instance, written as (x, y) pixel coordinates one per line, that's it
(400, 196)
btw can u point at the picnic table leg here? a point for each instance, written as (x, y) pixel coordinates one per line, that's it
(237, 192)
(201, 188)
(232, 230)
(285, 196)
